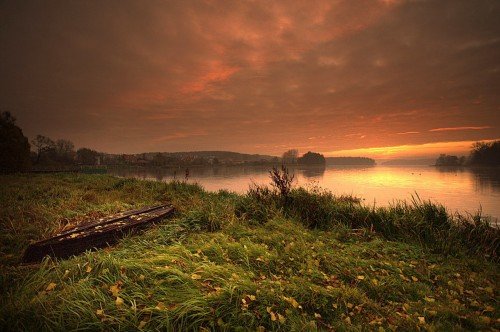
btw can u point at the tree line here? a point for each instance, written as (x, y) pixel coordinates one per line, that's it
(16, 154)
(481, 154)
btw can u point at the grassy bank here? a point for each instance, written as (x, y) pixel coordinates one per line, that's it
(302, 260)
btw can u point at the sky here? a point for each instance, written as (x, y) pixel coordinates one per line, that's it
(381, 78)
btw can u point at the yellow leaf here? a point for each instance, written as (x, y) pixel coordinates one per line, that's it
(160, 306)
(429, 299)
(195, 276)
(348, 320)
(142, 277)
(114, 289)
(489, 308)
(260, 328)
(273, 316)
(375, 282)
(292, 301)
(142, 324)
(414, 278)
(489, 290)
(421, 320)
(51, 286)
(281, 318)
(99, 312)
(119, 301)
(89, 268)
(335, 305)
(360, 277)
(66, 273)
(316, 315)
(252, 297)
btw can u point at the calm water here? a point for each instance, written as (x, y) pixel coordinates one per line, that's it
(463, 190)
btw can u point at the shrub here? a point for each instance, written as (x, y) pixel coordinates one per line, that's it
(260, 204)
(281, 180)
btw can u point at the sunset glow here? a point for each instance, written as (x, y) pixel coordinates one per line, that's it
(254, 76)
(416, 150)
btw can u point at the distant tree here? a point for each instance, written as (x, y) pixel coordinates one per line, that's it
(312, 158)
(485, 154)
(362, 161)
(290, 156)
(65, 151)
(87, 156)
(447, 160)
(44, 146)
(14, 146)
(158, 159)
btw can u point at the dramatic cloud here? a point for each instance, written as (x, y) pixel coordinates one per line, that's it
(252, 76)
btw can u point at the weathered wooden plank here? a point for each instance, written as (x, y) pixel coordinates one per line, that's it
(97, 234)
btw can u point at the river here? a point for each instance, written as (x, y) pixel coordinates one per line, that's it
(460, 189)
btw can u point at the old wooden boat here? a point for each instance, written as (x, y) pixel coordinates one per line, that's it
(96, 234)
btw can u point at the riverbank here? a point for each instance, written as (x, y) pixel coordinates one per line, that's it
(309, 260)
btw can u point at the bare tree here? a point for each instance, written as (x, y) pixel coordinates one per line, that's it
(42, 144)
(290, 156)
(65, 150)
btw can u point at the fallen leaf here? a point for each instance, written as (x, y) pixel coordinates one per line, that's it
(119, 301)
(273, 316)
(51, 286)
(281, 318)
(195, 276)
(360, 277)
(292, 301)
(421, 320)
(160, 306)
(89, 268)
(99, 312)
(114, 289)
(316, 315)
(415, 279)
(429, 299)
(142, 324)
(142, 277)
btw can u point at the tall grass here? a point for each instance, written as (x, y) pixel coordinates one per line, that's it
(418, 221)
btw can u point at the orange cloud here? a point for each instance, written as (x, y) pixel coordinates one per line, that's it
(217, 72)
(460, 128)
(408, 133)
